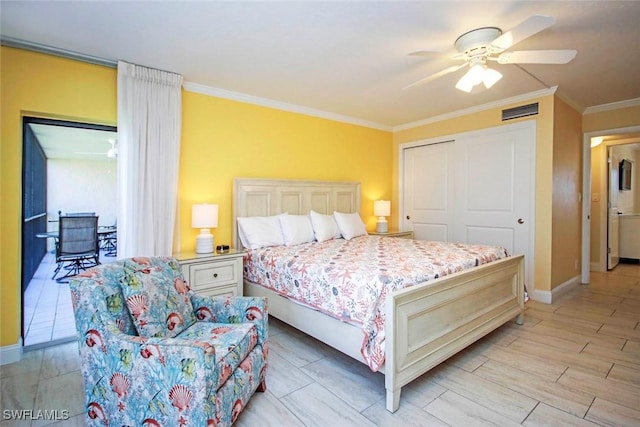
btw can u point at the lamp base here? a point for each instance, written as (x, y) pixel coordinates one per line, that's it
(382, 226)
(204, 242)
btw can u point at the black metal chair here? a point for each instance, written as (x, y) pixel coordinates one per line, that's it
(108, 237)
(77, 248)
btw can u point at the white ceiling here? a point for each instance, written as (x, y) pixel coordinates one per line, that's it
(64, 142)
(345, 58)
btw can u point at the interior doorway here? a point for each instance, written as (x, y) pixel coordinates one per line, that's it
(596, 194)
(67, 167)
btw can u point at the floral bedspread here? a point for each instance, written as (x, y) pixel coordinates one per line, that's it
(349, 279)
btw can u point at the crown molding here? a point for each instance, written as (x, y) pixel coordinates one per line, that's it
(612, 106)
(278, 105)
(63, 53)
(478, 108)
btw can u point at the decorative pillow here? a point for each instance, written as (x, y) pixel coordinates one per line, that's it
(296, 229)
(260, 231)
(324, 226)
(157, 298)
(350, 225)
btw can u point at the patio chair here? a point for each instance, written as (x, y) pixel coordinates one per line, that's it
(77, 246)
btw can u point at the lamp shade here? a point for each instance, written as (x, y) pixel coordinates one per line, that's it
(382, 208)
(204, 216)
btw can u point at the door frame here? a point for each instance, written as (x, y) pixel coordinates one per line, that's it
(530, 125)
(586, 200)
(50, 121)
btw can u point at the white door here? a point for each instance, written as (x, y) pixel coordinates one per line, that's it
(493, 189)
(428, 208)
(613, 222)
(476, 188)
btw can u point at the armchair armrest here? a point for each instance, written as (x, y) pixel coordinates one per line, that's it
(233, 310)
(197, 358)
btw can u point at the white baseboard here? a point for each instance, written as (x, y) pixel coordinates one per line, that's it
(548, 297)
(11, 353)
(540, 296)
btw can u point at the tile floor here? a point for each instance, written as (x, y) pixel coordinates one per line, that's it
(573, 363)
(48, 313)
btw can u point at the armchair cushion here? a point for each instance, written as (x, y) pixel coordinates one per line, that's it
(158, 298)
(232, 343)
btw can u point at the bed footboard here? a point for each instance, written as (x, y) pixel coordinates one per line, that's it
(428, 323)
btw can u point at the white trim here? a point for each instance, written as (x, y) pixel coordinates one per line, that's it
(11, 353)
(55, 51)
(562, 289)
(612, 106)
(548, 297)
(585, 264)
(540, 296)
(478, 108)
(279, 105)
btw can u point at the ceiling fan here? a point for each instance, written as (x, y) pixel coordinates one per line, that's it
(482, 45)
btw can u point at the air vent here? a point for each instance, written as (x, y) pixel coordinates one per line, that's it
(521, 111)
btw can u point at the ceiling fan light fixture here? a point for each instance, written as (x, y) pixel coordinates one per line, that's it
(113, 151)
(490, 77)
(465, 83)
(477, 74)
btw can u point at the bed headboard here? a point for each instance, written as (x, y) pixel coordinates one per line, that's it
(264, 197)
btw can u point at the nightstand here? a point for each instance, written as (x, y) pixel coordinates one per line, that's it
(213, 274)
(394, 233)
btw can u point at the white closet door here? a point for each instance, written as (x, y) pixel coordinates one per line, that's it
(429, 191)
(476, 188)
(493, 184)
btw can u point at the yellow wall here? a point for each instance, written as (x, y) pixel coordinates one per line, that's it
(597, 154)
(544, 169)
(45, 86)
(612, 119)
(224, 139)
(566, 217)
(221, 140)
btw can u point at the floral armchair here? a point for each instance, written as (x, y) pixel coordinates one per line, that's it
(155, 354)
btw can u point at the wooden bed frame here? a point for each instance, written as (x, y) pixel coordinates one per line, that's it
(425, 324)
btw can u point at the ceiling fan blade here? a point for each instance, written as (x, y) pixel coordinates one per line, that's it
(435, 76)
(424, 53)
(537, 57)
(527, 28)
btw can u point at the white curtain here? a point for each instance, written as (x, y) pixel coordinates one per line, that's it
(149, 128)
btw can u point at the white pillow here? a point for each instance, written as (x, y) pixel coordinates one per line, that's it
(324, 226)
(350, 225)
(296, 229)
(260, 231)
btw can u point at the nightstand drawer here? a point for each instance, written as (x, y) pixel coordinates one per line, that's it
(214, 274)
(220, 291)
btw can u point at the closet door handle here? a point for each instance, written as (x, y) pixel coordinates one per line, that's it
(520, 221)
(408, 217)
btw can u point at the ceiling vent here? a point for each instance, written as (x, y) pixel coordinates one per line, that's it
(521, 111)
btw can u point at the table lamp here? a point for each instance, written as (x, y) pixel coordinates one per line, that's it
(382, 209)
(204, 216)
